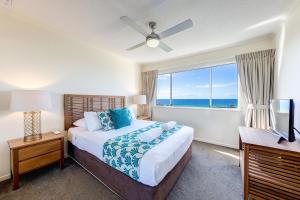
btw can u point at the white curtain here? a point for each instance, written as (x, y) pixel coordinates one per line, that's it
(149, 80)
(256, 71)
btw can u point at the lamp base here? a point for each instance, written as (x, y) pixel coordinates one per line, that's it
(32, 126)
(30, 138)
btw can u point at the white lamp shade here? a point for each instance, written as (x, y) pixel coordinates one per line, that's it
(139, 99)
(30, 100)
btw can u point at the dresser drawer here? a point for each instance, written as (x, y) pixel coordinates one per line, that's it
(39, 149)
(39, 161)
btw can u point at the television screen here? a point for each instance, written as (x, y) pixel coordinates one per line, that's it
(281, 114)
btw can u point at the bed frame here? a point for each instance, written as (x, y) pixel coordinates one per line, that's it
(124, 186)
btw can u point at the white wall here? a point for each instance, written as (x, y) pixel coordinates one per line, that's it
(210, 125)
(34, 58)
(212, 57)
(288, 43)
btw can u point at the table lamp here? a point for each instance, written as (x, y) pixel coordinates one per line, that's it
(139, 99)
(31, 103)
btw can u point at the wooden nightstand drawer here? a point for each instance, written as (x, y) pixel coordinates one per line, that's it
(39, 161)
(39, 149)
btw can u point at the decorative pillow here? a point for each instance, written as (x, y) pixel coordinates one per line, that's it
(131, 114)
(80, 123)
(105, 120)
(92, 121)
(120, 117)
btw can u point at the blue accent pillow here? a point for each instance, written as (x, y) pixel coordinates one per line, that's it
(120, 117)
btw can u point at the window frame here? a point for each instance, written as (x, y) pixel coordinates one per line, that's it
(210, 67)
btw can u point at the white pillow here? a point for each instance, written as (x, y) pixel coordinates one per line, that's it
(92, 121)
(132, 113)
(80, 123)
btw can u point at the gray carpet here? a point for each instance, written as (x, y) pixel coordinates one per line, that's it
(211, 174)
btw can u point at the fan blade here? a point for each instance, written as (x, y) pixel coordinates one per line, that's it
(133, 25)
(164, 47)
(177, 28)
(136, 46)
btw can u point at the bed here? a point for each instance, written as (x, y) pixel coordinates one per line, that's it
(159, 168)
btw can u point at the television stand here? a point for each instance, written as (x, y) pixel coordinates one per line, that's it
(269, 170)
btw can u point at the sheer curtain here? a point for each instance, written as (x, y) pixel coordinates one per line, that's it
(256, 71)
(149, 80)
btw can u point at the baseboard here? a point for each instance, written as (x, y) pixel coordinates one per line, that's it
(5, 177)
(217, 143)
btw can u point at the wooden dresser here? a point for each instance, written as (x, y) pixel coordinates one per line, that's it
(269, 170)
(27, 156)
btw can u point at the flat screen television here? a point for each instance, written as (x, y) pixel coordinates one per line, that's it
(282, 118)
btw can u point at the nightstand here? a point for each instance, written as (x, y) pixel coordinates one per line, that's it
(28, 156)
(144, 117)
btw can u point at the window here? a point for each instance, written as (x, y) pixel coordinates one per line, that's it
(214, 87)
(224, 86)
(163, 97)
(191, 88)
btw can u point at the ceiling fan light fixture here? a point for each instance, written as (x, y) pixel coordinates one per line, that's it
(152, 42)
(153, 39)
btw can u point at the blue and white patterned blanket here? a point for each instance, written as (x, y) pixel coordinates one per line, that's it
(125, 152)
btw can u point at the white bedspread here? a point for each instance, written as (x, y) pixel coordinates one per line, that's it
(155, 164)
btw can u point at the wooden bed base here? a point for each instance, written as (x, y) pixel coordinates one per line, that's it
(124, 186)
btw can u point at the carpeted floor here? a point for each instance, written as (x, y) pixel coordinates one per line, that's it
(211, 174)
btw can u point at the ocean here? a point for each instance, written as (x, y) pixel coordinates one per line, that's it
(204, 103)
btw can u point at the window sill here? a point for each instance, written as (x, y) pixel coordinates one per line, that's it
(200, 108)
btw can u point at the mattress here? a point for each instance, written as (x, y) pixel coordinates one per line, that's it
(154, 165)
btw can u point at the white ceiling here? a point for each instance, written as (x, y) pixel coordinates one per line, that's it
(96, 22)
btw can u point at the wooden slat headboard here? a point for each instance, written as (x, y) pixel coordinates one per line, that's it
(75, 105)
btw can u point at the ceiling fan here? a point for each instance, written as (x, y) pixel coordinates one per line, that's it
(153, 39)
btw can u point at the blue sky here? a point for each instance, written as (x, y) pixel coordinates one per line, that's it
(195, 84)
